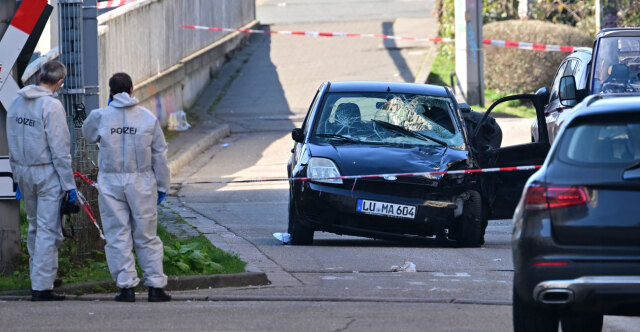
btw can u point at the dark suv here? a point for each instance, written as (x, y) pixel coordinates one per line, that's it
(576, 235)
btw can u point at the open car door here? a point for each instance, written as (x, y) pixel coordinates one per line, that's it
(503, 189)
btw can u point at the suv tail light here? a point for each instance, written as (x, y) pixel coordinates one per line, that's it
(550, 197)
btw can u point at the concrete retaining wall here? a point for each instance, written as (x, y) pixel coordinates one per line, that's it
(169, 65)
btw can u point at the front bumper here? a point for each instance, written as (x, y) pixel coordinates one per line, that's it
(333, 208)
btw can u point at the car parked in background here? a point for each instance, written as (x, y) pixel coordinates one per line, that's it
(576, 235)
(578, 65)
(373, 128)
(611, 67)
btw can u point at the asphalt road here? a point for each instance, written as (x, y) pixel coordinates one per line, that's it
(340, 283)
(453, 290)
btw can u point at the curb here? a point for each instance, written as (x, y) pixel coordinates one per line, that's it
(179, 283)
(184, 158)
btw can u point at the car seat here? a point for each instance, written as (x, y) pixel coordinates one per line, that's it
(347, 116)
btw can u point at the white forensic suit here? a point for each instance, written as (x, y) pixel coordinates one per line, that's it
(41, 163)
(132, 168)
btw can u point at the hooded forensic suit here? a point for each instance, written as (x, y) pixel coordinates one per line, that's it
(41, 163)
(133, 168)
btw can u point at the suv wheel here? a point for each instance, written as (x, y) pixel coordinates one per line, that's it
(470, 228)
(300, 234)
(582, 323)
(528, 318)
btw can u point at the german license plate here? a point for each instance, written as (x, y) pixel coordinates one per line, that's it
(386, 209)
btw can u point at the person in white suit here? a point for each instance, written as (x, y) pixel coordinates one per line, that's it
(133, 179)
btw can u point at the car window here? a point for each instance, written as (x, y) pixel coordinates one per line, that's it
(578, 72)
(617, 65)
(388, 118)
(306, 124)
(602, 141)
(556, 81)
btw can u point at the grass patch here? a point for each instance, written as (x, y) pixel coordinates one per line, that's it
(194, 256)
(441, 70)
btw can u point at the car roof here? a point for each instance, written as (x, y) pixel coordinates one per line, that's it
(582, 53)
(607, 104)
(618, 32)
(392, 87)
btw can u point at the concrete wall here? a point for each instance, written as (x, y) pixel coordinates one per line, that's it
(169, 65)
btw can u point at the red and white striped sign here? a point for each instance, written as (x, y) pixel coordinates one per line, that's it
(113, 4)
(13, 42)
(500, 43)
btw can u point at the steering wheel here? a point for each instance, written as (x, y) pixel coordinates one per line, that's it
(615, 87)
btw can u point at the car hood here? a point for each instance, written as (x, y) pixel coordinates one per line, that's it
(356, 159)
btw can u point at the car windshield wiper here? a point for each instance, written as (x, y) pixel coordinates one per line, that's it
(410, 133)
(632, 166)
(339, 137)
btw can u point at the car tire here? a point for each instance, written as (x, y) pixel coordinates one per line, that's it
(301, 235)
(528, 318)
(582, 323)
(470, 226)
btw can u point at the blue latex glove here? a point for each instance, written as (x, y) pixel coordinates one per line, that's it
(72, 195)
(161, 196)
(18, 193)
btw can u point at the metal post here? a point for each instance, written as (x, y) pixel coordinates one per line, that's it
(79, 53)
(469, 55)
(9, 209)
(598, 15)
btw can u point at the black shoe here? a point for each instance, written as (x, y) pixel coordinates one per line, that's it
(126, 295)
(46, 295)
(57, 283)
(158, 295)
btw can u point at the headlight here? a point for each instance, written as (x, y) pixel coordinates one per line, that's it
(323, 168)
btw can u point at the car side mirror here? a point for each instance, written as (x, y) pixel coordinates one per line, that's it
(298, 135)
(567, 92)
(464, 107)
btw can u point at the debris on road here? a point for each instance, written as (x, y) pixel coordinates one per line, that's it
(284, 237)
(407, 267)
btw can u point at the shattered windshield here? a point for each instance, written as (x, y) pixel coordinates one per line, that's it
(388, 118)
(617, 65)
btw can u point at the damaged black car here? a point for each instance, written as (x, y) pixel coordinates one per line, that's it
(374, 128)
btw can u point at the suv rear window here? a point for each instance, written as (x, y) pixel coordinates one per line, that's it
(602, 141)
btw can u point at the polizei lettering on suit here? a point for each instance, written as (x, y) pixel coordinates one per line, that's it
(26, 121)
(124, 131)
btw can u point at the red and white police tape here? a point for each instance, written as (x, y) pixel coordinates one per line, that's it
(85, 204)
(113, 4)
(372, 176)
(499, 43)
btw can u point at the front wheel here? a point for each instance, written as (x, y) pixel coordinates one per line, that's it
(470, 225)
(528, 318)
(300, 234)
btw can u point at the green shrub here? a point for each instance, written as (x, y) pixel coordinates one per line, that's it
(524, 71)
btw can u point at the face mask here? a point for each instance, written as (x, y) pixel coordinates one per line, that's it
(110, 100)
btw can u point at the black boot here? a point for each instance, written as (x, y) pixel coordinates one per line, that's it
(158, 295)
(46, 295)
(126, 295)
